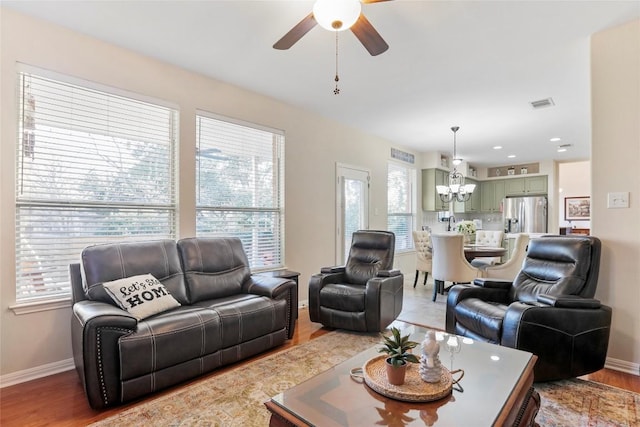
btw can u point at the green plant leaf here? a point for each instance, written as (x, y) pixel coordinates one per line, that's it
(398, 346)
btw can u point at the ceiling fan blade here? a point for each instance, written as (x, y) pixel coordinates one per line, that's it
(368, 36)
(372, 1)
(296, 33)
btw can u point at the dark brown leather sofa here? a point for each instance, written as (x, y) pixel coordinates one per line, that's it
(548, 310)
(226, 314)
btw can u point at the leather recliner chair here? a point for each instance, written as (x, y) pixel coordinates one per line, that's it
(363, 295)
(547, 310)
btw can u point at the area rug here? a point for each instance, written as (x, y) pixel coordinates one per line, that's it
(236, 397)
(578, 402)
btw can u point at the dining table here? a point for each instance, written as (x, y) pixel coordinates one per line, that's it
(472, 251)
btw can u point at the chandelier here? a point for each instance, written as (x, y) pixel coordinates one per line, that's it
(457, 189)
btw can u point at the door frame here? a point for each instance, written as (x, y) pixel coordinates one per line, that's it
(339, 223)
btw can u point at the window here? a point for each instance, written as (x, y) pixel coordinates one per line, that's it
(240, 187)
(92, 167)
(401, 204)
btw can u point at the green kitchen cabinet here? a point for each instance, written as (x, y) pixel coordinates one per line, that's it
(535, 184)
(492, 193)
(526, 186)
(474, 202)
(430, 198)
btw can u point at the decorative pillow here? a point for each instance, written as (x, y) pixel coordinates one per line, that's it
(142, 296)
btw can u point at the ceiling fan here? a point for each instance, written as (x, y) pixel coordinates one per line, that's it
(338, 15)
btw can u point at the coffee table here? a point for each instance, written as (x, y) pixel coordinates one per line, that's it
(497, 383)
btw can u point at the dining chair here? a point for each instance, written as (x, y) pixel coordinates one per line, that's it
(424, 254)
(449, 262)
(491, 238)
(510, 269)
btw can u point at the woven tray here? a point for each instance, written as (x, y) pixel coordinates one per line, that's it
(414, 389)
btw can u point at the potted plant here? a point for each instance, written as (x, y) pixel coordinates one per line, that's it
(398, 348)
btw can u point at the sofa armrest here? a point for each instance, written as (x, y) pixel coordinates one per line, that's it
(334, 269)
(96, 328)
(276, 288)
(271, 287)
(566, 340)
(383, 299)
(493, 283)
(389, 273)
(568, 301)
(317, 282)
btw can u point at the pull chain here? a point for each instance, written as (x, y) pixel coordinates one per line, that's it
(336, 91)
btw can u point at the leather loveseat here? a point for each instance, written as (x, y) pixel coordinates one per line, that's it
(224, 315)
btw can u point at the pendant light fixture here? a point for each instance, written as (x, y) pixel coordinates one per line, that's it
(456, 190)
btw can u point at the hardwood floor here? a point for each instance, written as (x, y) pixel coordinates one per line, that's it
(59, 400)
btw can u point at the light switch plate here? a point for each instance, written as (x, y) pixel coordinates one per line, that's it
(618, 200)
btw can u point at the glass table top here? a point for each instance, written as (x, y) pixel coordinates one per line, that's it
(333, 398)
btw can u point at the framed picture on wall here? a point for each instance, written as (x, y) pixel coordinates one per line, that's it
(577, 208)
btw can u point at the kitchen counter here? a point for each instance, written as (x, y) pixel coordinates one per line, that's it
(531, 235)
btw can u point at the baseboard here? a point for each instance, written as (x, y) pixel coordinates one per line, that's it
(35, 373)
(622, 366)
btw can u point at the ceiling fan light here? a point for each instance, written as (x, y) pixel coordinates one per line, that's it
(336, 15)
(456, 162)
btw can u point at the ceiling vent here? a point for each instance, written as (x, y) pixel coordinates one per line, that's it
(402, 155)
(542, 103)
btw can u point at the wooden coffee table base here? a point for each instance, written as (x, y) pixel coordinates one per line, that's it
(520, 411)
(498, 391)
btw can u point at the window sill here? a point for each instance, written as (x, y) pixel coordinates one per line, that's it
(35, 307)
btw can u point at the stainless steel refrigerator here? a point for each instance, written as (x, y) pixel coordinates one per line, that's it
(525, 214)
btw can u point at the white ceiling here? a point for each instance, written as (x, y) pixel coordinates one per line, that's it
(474, 64)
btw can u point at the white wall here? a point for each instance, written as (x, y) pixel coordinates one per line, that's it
(575, 181)
(313, 146)
(615, 161)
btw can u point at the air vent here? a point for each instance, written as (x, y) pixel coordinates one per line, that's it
(402, 155)
(542, 103)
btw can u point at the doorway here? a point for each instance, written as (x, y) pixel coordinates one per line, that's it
(352, 206)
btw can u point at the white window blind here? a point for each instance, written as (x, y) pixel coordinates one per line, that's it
(240, 187)
(401, 204)
(92, 167)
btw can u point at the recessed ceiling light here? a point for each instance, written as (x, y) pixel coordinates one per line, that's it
(555, 139)
(498, 147)
(561, 150)
(511, 156)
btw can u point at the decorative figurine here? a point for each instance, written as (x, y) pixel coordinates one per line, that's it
(430, 366)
